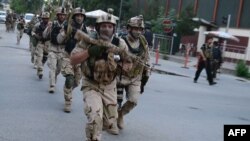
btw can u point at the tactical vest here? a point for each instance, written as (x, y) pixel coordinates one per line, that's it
(71, 42)
(207, 51)
(39, 32)
(139, 52)
(101, 69)
(20, 24)
(54, 32)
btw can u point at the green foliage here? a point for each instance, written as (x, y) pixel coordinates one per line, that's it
(185, 25)
(26, 6)
(157, 26)
(242, 69)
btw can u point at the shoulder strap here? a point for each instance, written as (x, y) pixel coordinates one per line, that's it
(116, 41)
(143, 41)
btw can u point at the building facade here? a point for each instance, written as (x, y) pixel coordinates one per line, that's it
(214, 11)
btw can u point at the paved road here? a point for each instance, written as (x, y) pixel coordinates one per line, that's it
(172, 108)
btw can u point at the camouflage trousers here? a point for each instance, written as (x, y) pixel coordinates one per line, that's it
(132, 87)
(19, 35)
(8, 26)
(100, 107)
(42, 52)
(72, 75)
(55, 64)
(33, 53)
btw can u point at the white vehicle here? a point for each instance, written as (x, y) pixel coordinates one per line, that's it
(2, 16)
(28, 17)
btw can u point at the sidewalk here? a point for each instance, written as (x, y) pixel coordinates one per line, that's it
(173, 66)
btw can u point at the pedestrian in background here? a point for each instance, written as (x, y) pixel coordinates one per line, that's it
(217, 58)
(204, 61)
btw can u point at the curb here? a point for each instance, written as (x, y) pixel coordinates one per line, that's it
(15, 47)
(168, 73)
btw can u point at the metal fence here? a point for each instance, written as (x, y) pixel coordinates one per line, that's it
(162, 43)
(234, 53)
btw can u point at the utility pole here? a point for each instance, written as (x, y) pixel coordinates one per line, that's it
(227, 28)
(120, 12)
(62, 3)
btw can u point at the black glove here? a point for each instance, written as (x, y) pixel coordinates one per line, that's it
(144, 80)
(96, 51)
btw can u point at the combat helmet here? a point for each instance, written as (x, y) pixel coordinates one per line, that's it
(61, 10)
(136, 21)
(107, 18)
(79, 10)
(45, 15)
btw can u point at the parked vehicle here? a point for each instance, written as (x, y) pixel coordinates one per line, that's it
(28, 17)
(2, 16)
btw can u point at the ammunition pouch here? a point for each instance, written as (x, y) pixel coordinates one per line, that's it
(69, 82)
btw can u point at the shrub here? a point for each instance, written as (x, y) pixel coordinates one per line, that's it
(242, 69)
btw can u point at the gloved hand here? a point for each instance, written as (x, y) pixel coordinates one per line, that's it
(96, 51)
(144, 80)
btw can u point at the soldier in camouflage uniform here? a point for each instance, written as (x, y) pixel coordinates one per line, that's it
(20, 29)
(72, 73)
(43, 43)
(8, 21)
(133, 74)
(55, 49)
(99, 68)
(32, 40)
(13, 24)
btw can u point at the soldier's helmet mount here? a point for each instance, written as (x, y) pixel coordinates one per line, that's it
(79, 10)
(136, 21)
(61, 11)
(45, 15)
(107, 18)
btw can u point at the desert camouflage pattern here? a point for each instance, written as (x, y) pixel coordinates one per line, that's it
(100, 98)
(20, 29)
(41, 51)
(55, 55)
(136, 21)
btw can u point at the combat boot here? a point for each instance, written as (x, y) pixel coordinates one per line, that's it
(32, 59)
(51, 89)
(40, 73)
(113, 130)
(67, 106)
(120, 121)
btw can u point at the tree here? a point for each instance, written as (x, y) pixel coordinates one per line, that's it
(25, 6)
(185, 25)
(157, 26)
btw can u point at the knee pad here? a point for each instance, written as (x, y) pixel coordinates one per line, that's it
(69, 83)
(128, 106)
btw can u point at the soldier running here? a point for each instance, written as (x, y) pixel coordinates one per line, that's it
(99, 68)
(55, 49)
(43, 43)
(133, 74)
(71, 73)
